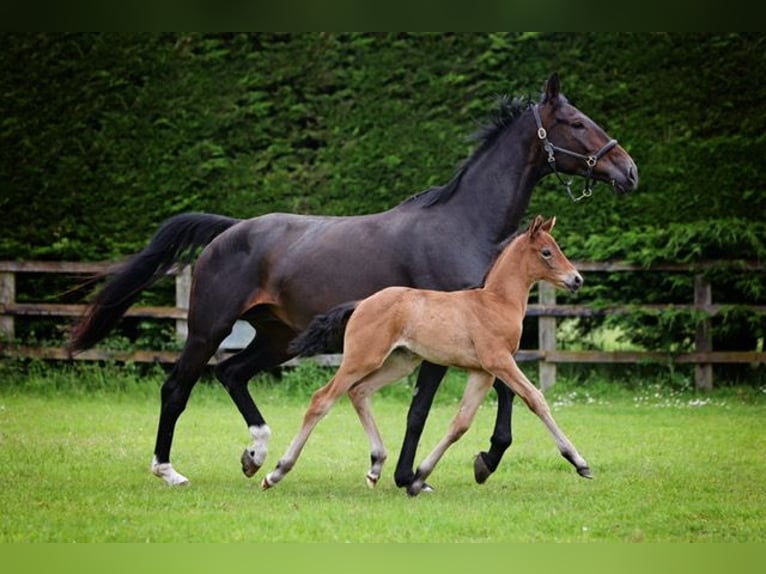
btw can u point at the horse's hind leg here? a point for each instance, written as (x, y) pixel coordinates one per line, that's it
(429, 378)
(265, 351)
(398, 365)
(476, 389)
(486, 463)
(175, 395)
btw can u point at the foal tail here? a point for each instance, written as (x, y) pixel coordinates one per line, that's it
(325, 332)
(176, 241)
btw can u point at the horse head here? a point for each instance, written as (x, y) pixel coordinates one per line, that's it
(574, 144)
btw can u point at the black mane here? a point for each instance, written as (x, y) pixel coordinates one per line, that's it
(508, 109)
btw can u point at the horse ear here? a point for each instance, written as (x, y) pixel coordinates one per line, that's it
(535, 225)
(548, 225)
(552, 88)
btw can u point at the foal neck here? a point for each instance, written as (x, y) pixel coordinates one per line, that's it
(510, 277)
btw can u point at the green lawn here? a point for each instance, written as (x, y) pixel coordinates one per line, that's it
(668, 466)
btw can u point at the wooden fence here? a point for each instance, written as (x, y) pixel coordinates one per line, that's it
(546, 310)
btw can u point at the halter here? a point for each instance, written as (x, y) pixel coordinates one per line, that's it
(590, 160)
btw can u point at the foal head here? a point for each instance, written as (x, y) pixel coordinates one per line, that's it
(543, 260)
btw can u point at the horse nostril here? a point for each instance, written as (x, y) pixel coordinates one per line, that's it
(633, 175)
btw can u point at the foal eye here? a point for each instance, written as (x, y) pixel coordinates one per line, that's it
(545, 252)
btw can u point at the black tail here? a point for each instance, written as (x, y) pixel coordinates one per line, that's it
(177, 241)
(325, 332)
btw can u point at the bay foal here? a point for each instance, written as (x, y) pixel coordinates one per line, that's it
(389, 333)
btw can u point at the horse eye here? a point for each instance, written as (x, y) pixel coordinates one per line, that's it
(578, 125)
(545, 252)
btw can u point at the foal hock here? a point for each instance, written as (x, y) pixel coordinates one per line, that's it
(389, 333)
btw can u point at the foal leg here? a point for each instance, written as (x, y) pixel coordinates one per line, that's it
(486, 463)
(514, 377)
(476, 389)
(321, 403)
(398, 365)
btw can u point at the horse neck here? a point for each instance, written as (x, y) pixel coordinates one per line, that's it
(494, 190)
(510, 278)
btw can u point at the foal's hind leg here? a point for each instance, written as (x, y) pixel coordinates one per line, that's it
(265, 351)
(398, 365)
(321, 403)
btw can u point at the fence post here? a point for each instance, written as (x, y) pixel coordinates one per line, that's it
(183, 288)
(546, 294)
(7, 297)
(703, 340)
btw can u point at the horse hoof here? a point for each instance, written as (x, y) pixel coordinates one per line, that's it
(481, 471)
(372, 480)
(417, 487)
(249, 466)
(265, 484)
(584, 471)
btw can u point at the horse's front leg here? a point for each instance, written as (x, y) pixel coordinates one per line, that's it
(429, 379)
(486, 463)
(476, 389)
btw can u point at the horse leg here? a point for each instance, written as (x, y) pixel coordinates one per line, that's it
(265, 351)
(476, 389)
(514, 377)
(486, 463)
(398, 365)
(175, 395)
(429, 379)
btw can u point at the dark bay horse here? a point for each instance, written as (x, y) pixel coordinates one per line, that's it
(392, 331)
(278, 271)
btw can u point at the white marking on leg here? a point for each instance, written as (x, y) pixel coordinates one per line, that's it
(167, 473)
(260, 445)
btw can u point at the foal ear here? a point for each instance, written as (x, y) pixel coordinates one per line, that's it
(552, 88)
(535, 225)
(548, 225)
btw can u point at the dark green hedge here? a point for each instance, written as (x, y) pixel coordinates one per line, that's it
(105, 135)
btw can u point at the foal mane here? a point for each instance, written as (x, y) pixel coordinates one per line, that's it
(507, 111)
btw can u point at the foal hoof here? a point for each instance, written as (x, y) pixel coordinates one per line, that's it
(481, 471)
(249, 466)
(265, 484)
(584, 471)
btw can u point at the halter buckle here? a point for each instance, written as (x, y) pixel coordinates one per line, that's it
(541, 133)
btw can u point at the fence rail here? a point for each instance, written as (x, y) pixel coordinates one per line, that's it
(546, 310)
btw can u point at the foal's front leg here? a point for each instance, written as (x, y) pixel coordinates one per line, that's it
(514, 377)
(476, 389)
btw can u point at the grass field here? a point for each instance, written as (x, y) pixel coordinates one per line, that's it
(668, 465)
